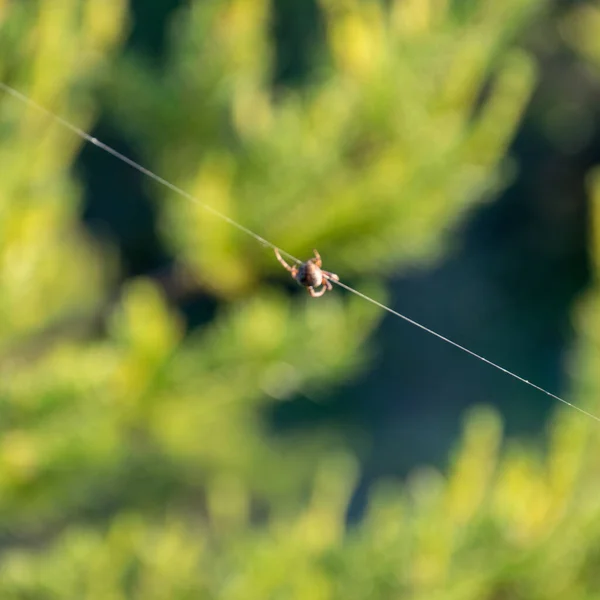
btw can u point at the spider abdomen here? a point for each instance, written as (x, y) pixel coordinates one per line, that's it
(309, 275)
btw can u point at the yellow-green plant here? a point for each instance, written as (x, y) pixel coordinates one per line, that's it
(515, 526)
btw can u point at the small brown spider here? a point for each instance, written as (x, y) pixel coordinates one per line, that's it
(310, 275)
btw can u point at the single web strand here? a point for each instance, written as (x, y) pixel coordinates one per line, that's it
(456, 345)
(96, 142)
(264, 242)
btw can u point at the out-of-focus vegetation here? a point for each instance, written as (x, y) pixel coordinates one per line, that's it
(373, 160)
(133, 460)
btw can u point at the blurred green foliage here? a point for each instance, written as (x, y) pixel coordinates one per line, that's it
(133, 462)
(376, 159)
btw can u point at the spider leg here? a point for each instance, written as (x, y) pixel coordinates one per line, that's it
(314, 293)
(290, 269)
(329, 275)
(318, 261)
(327, 284)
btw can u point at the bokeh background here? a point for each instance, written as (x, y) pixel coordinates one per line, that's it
(179, 420)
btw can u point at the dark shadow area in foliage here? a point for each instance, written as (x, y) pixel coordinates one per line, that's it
(298, 32)
(150, 26)
(117, 206)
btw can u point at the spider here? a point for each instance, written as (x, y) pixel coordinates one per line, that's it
(310, 275)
